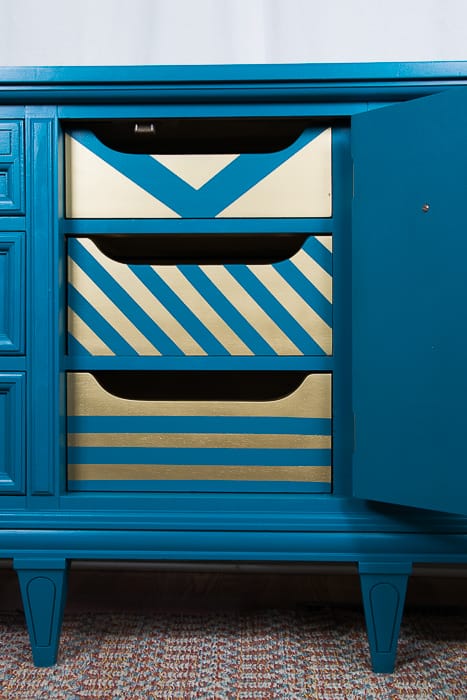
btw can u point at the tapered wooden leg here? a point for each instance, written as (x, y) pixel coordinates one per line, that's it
(383, 590)
(43, 584)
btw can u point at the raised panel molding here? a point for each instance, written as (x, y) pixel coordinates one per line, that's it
(12, 433)
(12, 286)
(11, 167)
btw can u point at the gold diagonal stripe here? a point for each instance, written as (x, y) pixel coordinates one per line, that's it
(199, 440)
(137, 290)
(312, 399)
(86, 336)
(249, 308)
(295, 305)
(326, 241)
(159, 472)
(318, 277)
(191, 297)
(106, 307)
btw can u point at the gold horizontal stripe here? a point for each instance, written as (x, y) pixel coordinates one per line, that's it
(159, 472)
(110, 311)
(312, 399)
(198, 440)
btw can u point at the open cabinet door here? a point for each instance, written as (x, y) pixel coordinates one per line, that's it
(410, 302)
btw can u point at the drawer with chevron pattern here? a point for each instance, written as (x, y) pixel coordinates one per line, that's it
(253, 303)
(198, 169)
(241, 441)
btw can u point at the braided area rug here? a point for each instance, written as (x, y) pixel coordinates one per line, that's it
(294, 654)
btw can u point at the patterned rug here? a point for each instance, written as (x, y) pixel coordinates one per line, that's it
(297, 654)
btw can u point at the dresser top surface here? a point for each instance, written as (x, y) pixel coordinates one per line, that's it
(308, 72)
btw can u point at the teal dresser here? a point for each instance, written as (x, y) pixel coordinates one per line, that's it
(232, 323)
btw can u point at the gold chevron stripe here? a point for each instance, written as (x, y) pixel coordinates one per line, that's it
(95, 189)
(159, 472)
(300, 187)
(137, 290)
(191, 297)
(304, 314)
(321, 279)
(86, 336)
(196, 169)
(248, 307)
(312, 399)
(199, 440)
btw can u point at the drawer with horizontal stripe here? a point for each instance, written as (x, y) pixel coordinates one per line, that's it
(195, 168)
(11, 167)
(141, 295)
(236, 436)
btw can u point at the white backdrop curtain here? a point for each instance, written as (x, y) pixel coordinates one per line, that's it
(96, 32)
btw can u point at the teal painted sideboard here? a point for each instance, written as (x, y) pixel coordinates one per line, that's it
(232, 323)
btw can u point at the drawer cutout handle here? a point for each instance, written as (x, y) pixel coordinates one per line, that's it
(178, 249)
(196, 136)
(200, 385)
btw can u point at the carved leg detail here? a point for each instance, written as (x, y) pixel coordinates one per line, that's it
(383, 590)
(43, 585)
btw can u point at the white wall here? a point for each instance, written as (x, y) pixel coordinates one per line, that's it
(92, 32)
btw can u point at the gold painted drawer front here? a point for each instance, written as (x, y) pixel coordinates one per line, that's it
(105, 183)
(282, 308)
(120, 444)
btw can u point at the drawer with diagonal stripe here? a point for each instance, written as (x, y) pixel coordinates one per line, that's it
(125, 303)
(244, 442)
(194, 168)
